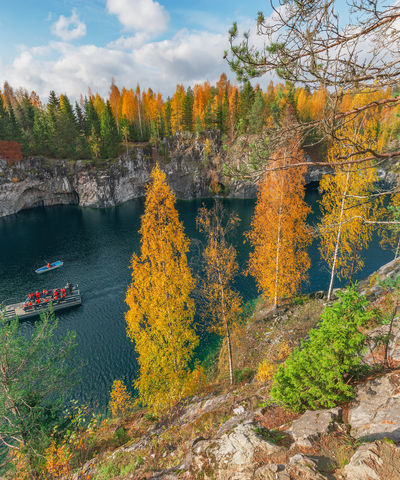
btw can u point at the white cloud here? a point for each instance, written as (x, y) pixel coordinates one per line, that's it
(188, 58)
(129, 43)
(69, 28)
(140, 15)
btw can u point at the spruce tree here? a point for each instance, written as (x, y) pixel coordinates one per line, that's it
(109, 133)
(188, 111)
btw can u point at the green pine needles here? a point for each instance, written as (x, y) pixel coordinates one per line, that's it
(319, 372)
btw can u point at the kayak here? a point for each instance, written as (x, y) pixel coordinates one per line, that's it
(52, 266)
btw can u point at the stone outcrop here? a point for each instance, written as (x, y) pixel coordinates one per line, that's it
(374, 461)
(36, 181)
(232, 453)
(375, 412)
(312, 424)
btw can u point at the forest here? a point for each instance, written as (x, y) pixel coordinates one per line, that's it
(96, 127)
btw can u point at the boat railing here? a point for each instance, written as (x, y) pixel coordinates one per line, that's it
(9, 301)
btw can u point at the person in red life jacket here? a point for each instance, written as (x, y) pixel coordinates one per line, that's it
(48, 265)
(46, 300)
(30, 296)
(37, 294)
(45, 292)
(30, 304)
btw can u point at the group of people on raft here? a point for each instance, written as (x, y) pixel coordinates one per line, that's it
(38, 299)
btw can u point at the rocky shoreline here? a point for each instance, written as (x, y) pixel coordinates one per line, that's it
(38, 181)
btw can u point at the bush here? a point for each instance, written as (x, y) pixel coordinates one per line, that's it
(245, 375)
(318, 373)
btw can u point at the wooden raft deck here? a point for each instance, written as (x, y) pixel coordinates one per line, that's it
(17, 309)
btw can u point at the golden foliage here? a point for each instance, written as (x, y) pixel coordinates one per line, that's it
(161, 310)
(58, 460)
(265, 371)
(346, 201)
(279, 234)
(121, 402)
(223, 305)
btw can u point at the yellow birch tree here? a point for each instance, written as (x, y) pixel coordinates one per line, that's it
(160, 316)
(279, 235)
(348, 207)
(222, 302)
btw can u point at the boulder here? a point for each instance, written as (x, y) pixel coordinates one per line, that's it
(312, 424)
(232, 455)
(375, 412)
(374, 461)
(298, 467)
(376, 350)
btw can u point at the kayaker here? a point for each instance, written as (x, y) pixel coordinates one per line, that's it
(48, 265)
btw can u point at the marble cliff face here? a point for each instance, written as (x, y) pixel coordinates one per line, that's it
(36, 181)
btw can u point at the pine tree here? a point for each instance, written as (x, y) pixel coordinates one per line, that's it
(160, 316)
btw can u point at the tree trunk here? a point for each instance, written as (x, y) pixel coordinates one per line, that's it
(278, 247)
(333, 271)
(396, 255)
(353, 264)
(385, 361)
(228, 342)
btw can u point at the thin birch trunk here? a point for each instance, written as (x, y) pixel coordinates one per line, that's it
(333, 271)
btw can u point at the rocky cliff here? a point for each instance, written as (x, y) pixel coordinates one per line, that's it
(193, 168)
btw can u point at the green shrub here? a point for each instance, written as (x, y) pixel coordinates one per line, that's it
(120, 436)
(318, 373)
(245, 375)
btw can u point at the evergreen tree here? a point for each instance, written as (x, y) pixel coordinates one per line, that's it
(109, 133)
(67, 131)
(34, 377)
(188, 111)
(257, 114)
(4, 122)
(245, 105)
(92, 120)
(317, 374)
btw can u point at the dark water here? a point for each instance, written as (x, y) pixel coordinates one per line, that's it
(96, 246)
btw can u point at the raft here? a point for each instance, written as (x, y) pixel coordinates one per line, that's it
(53, 266)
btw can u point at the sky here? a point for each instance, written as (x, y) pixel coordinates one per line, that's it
(71, 45)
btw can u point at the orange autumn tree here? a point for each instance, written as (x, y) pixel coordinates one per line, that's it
(222, 304)
(161, 311)
(279, 234)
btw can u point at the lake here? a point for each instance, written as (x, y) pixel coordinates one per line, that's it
(96, 246)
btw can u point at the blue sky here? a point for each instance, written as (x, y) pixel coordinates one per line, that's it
(76, 44)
